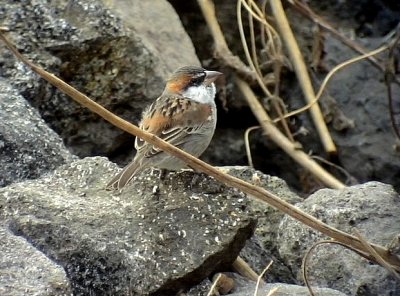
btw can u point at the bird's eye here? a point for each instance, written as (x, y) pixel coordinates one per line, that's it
(198, 79)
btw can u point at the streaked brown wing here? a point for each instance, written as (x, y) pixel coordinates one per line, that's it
(173, 120)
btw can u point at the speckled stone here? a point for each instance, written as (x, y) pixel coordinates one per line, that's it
(374, 209)
(153, 237)
(28, 147)
(117, 52)
(263, 247)
(26, 271)
(246, 287)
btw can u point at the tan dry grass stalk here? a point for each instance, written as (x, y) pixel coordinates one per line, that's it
(251, 190)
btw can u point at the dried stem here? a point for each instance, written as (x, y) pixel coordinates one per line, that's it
(222, 51)
(214, 286)
(252, 190)
(274, 51)
(247, 144)
(303, 8)
(289, 147)
(259, 279)
(241, 267)
(378, 258)
(302, 74)
(389, 78)
(330, 75)
(307, 255)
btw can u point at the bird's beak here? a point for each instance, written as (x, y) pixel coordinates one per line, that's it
(211, 76)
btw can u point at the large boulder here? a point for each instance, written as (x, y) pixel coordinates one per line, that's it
(155, 236)
(27, 271)
(374, 209)
(106, 49)
(28, 147)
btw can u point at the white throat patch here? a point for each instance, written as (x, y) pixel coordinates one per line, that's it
(202, 93)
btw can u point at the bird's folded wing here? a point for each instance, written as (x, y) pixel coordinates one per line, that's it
(173, 121)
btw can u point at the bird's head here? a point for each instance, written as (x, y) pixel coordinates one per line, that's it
(194, 83)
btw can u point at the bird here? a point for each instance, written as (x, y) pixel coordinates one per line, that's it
(184, 115)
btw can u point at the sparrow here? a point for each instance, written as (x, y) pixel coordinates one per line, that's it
(185, 115)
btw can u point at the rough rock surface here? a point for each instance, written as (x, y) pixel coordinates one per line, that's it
(366, 151)
(26, 271)
(374, 209)
(28, 147)
(259, 257)
(284, 290)
(106, 49)
(143, 240)
(245, 287)
(262, 247)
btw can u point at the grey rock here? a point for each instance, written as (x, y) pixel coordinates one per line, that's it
(269, 218)
(246, 287)
(28, 147)
(258, 258)
(106, 49)
(366, 151)
(262, 247)
(200, 289)
(153, 237)
(374, 209)
(375, 19)
(279, 289)
(26, 271)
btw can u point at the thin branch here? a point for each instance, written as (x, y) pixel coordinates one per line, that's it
(390, 77)
(222, 51)
(252, 57)
(338, 167)
(278, 138)
(377, 257)
(259, 279)
(214, 286)
(366, 255)
(242, 268)
(307, 255)
(302, 74)
(303, 8)
(289, 147)
(247, 144)
(330, 75)
(273, 291)
(251, 190)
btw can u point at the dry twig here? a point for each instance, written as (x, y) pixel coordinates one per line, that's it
(259, 279)
(222, 51)
(273, 50)
(349, 177)
(302, 74)
(390, 77)
(273, 291)
(247, 144)
(252, 190)
(366, 255)
(214, 286)
(378, 258)
(289, 147)
(303, 8)
(307, 255)
(330, 75)
(241, 267)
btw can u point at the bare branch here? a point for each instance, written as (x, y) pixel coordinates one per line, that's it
(252, 190)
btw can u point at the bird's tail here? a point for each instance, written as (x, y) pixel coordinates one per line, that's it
(123, 177)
